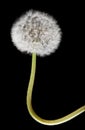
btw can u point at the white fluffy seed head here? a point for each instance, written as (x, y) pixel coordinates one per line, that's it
(36, 32)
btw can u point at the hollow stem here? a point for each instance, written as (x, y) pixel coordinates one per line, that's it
(29, 102)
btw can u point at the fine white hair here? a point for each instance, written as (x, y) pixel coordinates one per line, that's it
(36, 32)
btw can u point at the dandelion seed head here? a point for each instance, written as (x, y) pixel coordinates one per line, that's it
(36, 32)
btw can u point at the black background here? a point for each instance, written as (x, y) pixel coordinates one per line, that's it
(60, 77)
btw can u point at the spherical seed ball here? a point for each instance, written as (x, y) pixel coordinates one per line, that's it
(36, 32)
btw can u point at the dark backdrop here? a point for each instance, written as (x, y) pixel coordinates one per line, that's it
(60, 77)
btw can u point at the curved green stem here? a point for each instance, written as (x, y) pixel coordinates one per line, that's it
(29, 102)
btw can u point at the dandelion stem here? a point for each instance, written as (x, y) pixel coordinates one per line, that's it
(29, 102)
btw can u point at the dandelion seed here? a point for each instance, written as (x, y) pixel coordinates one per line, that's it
(36, 32)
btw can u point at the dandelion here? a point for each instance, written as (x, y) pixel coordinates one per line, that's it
(38, 33)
